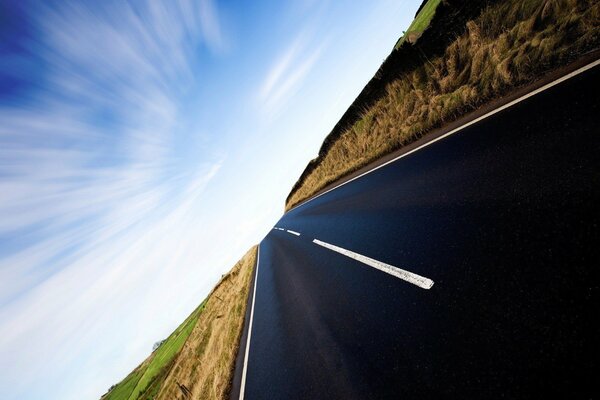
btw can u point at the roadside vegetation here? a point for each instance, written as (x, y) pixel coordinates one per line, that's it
(197, 360)
(506, 45)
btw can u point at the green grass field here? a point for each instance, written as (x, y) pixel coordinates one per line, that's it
(421, 22)
(142, 383)
(122, 390)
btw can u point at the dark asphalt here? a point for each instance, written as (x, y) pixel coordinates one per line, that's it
(503, 216)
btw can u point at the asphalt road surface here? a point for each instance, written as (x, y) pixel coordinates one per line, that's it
(481, 277)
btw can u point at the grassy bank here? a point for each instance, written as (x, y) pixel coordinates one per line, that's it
(505, 45)
(196, 361)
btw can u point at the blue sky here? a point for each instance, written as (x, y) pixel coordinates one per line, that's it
(144, 147)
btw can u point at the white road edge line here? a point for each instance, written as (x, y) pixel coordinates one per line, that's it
(245, 369)
(407, 276)
(445, 135)
(294, 232)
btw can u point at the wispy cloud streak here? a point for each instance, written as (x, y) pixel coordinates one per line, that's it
(90, 182)
(287, 73)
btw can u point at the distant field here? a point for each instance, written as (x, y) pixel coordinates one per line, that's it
(123, 390)
(142, 382)
(149, 383)
(204, 367)
(508, 44)
(198, 357)
(420, 23)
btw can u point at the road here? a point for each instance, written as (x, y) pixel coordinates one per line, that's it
(500, 221)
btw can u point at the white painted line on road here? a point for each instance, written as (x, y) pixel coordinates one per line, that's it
(407, 276)
(445, 135)
(294, 233)
(245, 369)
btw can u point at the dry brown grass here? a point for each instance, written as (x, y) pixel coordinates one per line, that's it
(510, 44)
(204, 367)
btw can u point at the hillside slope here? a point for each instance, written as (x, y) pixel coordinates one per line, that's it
(472, 53)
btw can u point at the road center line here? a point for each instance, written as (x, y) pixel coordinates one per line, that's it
(407, 276)
(294, 233)
(245, 368)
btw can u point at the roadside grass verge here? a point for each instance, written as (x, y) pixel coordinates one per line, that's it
(420, 23)
(509, 44)
(197, 359)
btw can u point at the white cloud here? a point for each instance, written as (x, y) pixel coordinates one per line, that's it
(287, 73)
(280, 68)
(210, 24)
(99, 213)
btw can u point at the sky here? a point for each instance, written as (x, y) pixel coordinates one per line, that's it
(144, 148)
